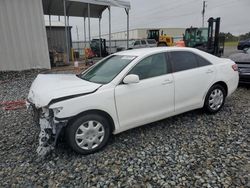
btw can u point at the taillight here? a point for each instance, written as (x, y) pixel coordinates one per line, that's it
(235, 67)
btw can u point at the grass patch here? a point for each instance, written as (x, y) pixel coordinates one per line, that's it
(231, 43)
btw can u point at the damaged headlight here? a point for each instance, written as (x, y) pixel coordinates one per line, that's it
(56, 110)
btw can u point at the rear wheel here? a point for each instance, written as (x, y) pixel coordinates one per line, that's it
(215, 99)
(88, 134)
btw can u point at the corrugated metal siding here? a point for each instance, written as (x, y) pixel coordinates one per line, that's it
(23, 41)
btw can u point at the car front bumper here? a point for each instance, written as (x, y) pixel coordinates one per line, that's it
(50, 128)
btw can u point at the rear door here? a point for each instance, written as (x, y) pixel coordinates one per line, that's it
(193, 76)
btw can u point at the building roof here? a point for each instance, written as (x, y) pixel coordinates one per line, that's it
(79, 8)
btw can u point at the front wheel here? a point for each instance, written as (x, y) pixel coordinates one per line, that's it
(88, 133)
(215, 99)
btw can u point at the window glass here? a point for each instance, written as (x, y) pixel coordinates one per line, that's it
(183, 61)
(154, 65)
(107, 70)
(143, 42)
(201, 61)
(137, 42)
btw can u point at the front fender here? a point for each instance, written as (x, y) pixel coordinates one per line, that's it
(103, 101)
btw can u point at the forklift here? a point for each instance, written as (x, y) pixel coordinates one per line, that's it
(206, 39)
(162, 40)
(95, 47)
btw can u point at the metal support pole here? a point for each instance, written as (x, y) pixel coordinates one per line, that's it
(127, 12)
(84, 26)
(100, 40)
(203, 12)
(77, 34)
(66, 33)
(50, 32)
(89, 22)
(68, 39)
(109, 30)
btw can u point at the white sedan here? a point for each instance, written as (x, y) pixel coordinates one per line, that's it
(126, 90)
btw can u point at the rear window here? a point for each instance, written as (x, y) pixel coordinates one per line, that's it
(201, 61)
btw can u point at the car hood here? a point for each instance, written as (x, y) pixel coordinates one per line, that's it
(47, 87)
(240, 57)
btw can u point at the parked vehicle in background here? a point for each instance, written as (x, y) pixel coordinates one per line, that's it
(242, 59)
(243, 44)
(151, 42)
(126, 90)
(95, 47)
(207, 39)
(142, 43)
(161, 39)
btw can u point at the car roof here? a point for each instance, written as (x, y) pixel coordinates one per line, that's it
(147, 51)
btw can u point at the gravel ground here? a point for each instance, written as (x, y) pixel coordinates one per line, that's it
(189, 150)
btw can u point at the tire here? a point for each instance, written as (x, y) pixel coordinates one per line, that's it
(215, 99)
(88, 134)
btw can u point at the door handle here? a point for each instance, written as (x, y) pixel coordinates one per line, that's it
(209, 71)
(168, 81)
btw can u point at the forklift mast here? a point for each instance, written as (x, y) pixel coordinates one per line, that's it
(213, 40)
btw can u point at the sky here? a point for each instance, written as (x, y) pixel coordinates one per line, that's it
(170, 14)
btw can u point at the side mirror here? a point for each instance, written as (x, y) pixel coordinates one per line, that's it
(131, 79)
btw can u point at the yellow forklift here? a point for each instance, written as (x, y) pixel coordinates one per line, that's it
(162, 40)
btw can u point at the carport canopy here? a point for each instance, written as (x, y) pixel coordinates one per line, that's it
(79, 8)
(84, 8)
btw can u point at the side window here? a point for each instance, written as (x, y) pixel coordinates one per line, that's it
(143, 42)
(137, 43)
(154, 65)
(201, 61)
(183, 61)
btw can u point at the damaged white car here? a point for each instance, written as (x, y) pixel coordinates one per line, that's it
(126, 90)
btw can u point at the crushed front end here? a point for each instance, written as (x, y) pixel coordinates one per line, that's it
(50, 128)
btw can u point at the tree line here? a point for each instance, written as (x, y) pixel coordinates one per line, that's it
(229, 37)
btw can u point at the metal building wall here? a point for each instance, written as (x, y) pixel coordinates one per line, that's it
(23, 41)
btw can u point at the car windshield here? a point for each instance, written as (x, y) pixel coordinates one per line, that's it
(107, 70)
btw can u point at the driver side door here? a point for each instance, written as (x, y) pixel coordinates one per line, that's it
(149, 100)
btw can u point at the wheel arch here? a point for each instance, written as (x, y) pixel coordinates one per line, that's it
(96, 111)
(223, 84)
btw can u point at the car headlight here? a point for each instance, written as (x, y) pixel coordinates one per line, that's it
(57, 110)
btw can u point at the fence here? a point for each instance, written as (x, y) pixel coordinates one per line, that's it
(80, 45)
